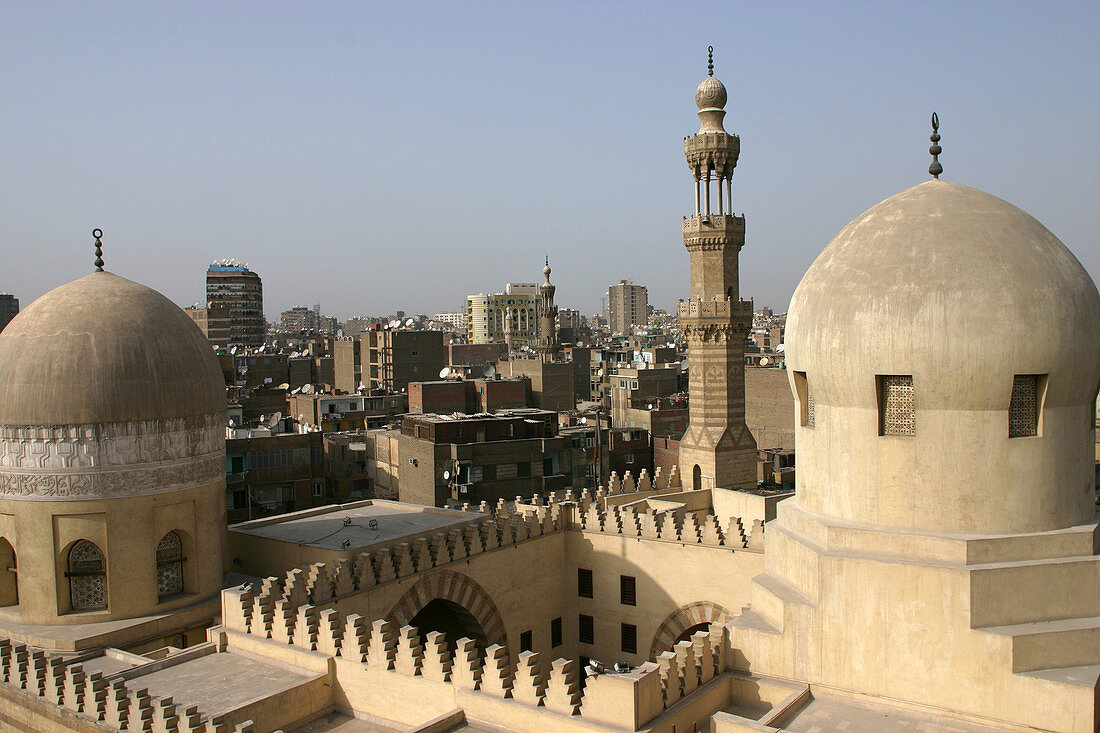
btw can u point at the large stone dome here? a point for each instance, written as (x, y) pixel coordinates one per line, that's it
(104, 349)
(953, 296)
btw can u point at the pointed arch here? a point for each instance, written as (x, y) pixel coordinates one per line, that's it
(87, 572)
(456, 588)
(684, 618)
(169, 557)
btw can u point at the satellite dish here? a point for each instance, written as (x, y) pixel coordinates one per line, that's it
(307, 389)
(489, 371)
(764, 361)
(274, 419)
(284, 385)
(446, 475)
(444, 373)
(232, 423)
(409, 323)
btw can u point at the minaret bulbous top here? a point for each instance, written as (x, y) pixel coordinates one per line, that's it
(710, 98)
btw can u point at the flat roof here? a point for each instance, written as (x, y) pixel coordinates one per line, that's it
(325, 527)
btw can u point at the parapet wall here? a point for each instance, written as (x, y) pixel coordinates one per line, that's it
(377, 663)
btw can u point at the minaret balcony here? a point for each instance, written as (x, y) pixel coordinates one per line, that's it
(718, 311)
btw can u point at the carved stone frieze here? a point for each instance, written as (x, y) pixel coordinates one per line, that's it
(110, 459)
(110, 483)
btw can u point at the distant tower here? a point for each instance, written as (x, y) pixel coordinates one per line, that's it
(548, 318)
(235, 305)
(717, 449)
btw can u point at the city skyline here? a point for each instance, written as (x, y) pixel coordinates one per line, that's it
(372, 158)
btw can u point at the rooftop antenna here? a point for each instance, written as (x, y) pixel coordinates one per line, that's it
(710, 60)
(935, 169)
(97, 233)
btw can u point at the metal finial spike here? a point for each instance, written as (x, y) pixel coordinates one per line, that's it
(710, 60)
(98, 233)
(935, 169)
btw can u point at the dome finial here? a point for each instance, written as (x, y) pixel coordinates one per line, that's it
(97, 233)
(710, 60)
(935, 169)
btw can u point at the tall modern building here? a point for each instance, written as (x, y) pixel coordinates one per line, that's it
(9, 308)
(717, 449)
(235, 305)
(627, 306)
(515, 310)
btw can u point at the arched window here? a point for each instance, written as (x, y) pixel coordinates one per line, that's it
(169, 565)
(9, 579)
(87, 577)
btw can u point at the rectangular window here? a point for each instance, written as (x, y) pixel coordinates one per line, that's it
(523, 469)
(489, 473)
(586, 633)
(628, 592)
(629, 634)
(525, 641)
(805, 400)
(555, 632)
(584, 582)
(629, 457)
(896, 405)
(548, 467)
(1026, 405)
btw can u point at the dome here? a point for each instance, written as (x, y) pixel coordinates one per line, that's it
(710, 94)
(103, 349)
(963, 295)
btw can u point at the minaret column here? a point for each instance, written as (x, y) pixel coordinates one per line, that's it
(717, 450)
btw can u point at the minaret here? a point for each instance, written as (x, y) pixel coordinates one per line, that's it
(548, 318)
(717, 449)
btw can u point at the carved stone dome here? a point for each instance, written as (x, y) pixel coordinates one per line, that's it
(104, 349)
(711, 94)
(945, 351)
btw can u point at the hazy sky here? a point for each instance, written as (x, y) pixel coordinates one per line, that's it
(376, 156)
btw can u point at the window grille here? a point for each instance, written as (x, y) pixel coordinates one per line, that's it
(629, 634)
(628, 593)
(1023, 410)
(897, 413)
(169, 565)
(584, 582)
(586, 630)
(87, 577)
(809, 406)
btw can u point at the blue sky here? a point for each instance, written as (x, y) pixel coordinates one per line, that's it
(376, 156)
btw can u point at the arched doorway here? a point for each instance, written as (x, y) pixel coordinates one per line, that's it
(696, 478)
(451, 620)
(685, 621)
(465, 598)
(9, 577)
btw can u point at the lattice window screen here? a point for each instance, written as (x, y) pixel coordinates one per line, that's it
(897, 414)
(809, 406)
(87, 576)
(1023, 410)
(169, 565)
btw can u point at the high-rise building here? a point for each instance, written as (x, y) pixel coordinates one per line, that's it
(457, 321)
(515, 311)
(9, 308)
(235, 305)
(299, 318)
(717, 449)
(627, 306)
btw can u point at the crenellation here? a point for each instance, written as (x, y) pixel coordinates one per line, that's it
(710, 533)
(735, 533)
(614, 485)
(383, 565)
(529, 687)
(700, 642)
(364, 571)
(17, 666)
(263, 614)
(294, 587)
(282, 623)
(756, 536)
(422, 554)
(382, 648)
(329, 632)
(237, 608)
(466, 670)
(318, 587)
(409, 656)
(437, 658)
(629, 486)
(95, 696)
(55, 680)
(140, 716)
(164, 716)
(441, 553)
(403, 560)
(217, 725)
(36, 673)
(471, 534)
(483, 508)
(343, 581)
(490, 535)
(496, 676)
(306, 628)
(191, 721)
(671, 680)
(674, 477)
(118, 705)
(354, 642)
(5, 658)
(563, 690)
(689, 666)
(457, 542)
(667, 528)
(647, 525)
